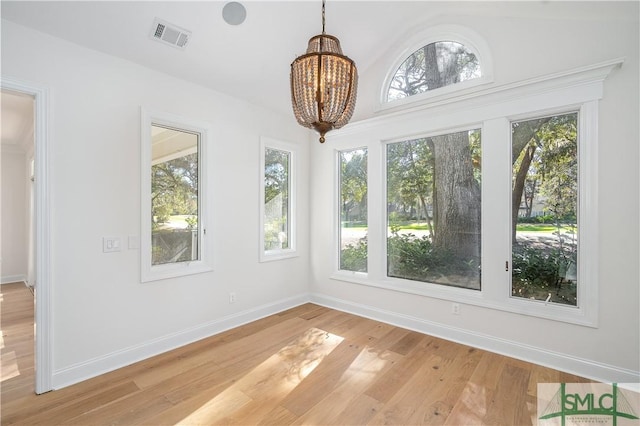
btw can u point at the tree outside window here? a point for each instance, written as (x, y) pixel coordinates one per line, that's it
(174, 196)
(431, 67)
(276, 199)
(353, 210)
(544, 209)
(433, 209)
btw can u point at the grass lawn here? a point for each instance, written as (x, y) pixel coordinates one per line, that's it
(534, 227)
(422, 226)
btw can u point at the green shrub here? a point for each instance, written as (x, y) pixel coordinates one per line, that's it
(354, 256)
(417, 258)
(537, 266)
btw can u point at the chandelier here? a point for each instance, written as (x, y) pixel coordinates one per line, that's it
(324, 84)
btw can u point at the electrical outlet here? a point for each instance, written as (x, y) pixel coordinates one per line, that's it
(455, 308)
(232, 298)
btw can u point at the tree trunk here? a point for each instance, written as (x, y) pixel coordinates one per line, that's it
(431, 73)
(457, 211)
(518, 188)
(522, 135)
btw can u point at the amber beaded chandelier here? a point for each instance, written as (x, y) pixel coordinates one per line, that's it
(324, 84)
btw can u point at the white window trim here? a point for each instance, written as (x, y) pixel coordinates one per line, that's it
(148, 271)
(574, 90)
(292, 250)
(586, 312)
(465, 36)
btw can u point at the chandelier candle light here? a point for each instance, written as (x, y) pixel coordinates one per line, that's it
(324, 84)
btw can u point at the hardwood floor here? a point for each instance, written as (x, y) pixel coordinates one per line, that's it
(307, 365)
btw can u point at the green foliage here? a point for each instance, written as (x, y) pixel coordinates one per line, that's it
(417, 258)
(410, 179)
(354, 256)
(276, 174)
(539, 267)
(551, 176)
(174, 188)
(353, 185)
(548, 219)
(192, 222)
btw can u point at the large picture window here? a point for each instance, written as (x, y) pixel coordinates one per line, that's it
(488, 198)
(433, 209)
(353, 209)
(544, 208)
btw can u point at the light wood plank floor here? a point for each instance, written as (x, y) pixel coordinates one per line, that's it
(307, 365)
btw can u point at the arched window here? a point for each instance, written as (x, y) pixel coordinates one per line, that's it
(431, 67)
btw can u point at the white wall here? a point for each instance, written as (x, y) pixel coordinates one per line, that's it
(522, 49)
(14, 215)
(102, 315)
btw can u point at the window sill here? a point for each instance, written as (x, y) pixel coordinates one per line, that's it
(274, 255)
(540, 309)
(175, 270)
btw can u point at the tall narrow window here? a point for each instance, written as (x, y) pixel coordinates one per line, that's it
(353, 210)
(544, 209)
(278, 200)
(433, 209)
(174, 213)
(174, 195)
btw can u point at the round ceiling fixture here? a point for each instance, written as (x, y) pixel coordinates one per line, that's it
(234, 13)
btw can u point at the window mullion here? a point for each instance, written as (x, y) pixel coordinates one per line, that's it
(496, 199)
(377, 212)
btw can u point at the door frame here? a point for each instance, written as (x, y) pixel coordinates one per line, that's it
(42, 170)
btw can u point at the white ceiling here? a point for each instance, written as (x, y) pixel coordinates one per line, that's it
(251, 61)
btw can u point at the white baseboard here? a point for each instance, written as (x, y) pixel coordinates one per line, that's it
(581, 367)
(567, 363)
(13, 279)
(118, 359)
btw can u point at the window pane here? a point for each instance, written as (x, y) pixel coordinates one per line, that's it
(276, 199)
(433, 66)
(353, 210)
(174, 196)
(433, 209)
(544, 209)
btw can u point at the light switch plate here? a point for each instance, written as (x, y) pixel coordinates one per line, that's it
(111, 244)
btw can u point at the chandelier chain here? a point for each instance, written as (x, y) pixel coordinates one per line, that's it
(323, 1)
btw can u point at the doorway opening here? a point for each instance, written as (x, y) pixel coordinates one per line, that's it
(25, 208)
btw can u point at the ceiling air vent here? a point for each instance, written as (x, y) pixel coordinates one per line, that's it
(170, 34)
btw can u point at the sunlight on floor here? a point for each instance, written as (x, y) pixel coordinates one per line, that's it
(274, 378)
(362, 372)
(9, 366)
(473, 406)
(475, 399)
